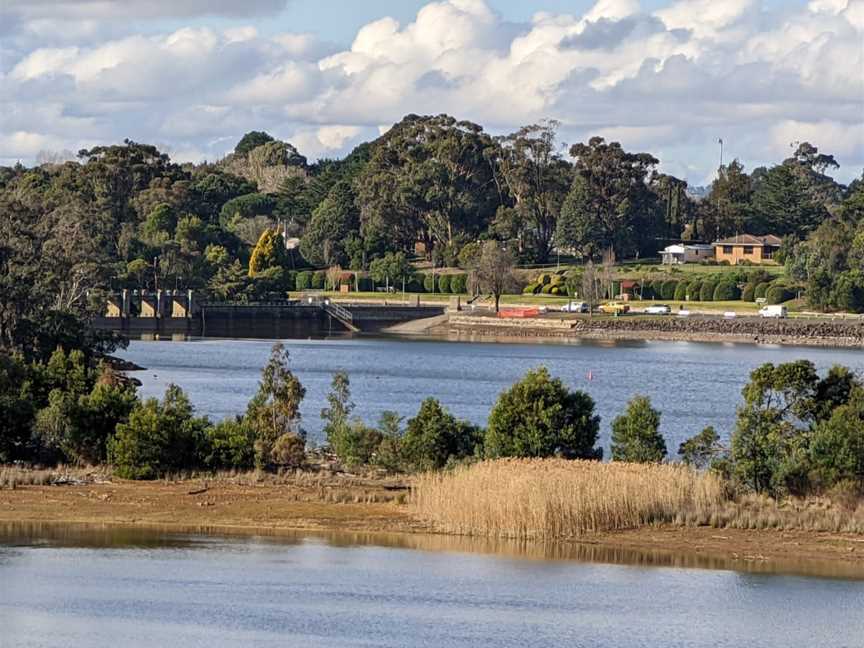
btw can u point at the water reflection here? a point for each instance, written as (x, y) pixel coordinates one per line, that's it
(42, 534)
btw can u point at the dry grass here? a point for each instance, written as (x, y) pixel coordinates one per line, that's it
(12, 476)
(552, 498)
(754, 511)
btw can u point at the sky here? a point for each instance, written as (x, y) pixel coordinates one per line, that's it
(670, 77)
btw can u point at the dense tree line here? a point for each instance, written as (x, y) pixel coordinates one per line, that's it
(127, 216)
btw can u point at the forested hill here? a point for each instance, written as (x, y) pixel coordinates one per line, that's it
(127, 216)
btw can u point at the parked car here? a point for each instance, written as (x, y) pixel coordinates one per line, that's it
(777, 311)
(614, 308)
(576, 307)
(658, 309)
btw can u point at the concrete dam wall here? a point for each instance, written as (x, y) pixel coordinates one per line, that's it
(179, 315)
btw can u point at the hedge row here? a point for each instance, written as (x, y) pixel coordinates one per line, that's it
(418, 283)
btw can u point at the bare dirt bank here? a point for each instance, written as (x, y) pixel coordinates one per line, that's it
(360, 506)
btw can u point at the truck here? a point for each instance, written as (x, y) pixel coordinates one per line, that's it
(776, 311)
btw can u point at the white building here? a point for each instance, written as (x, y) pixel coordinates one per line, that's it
(690, 253)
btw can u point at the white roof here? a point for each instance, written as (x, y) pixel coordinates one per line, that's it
(680, 249)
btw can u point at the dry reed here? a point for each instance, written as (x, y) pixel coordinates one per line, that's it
(553, 498)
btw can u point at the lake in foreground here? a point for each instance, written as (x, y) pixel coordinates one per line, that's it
(110, 588)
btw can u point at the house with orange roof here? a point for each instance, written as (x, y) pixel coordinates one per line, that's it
(747, 248)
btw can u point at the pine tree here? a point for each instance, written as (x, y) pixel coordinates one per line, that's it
(635, 434)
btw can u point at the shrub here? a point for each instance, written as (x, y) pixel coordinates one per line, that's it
(352, 441)
(837, 446)
(444, 284)
(706, 291)
(532, 289)
(681, 291)
(635, 434)
(230, 444)
(694, 288)
(760, 290)
(415, 283)
(289, 451)
(749, 293)
(434, 437)
(698, 451)
(667, 290)
(430, 283)
(290, 280)
(726, 291)
(390, 452)
(459, 284)
(547, 289)
(303, 280)
(540, 417)
(556, 290)
(657, 289)
(79, 426)
(159, 438)
(778, 294)
(319, 279)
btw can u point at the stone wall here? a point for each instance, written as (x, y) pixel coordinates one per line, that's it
(847, 333)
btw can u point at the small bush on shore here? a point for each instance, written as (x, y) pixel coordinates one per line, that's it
(289, 451)
(540, 417)
(159, 438)
(230, 444)
(636, 435)
(434, 437)
(700, 450)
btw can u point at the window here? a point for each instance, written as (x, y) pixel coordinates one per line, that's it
(727, 249)
(748, 249)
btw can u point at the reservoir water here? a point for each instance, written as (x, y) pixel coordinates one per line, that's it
(692, 384)
(136, 588)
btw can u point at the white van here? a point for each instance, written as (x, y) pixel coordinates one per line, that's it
(776, 311)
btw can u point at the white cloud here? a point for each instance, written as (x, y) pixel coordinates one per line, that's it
(839, 139)
(324, 141)
(671, 81)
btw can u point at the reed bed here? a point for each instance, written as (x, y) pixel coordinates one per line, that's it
(555, 498)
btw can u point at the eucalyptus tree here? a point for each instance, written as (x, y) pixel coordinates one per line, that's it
(530, 170)
(428, 180)
(608, 197)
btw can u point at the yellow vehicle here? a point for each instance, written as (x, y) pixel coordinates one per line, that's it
(614, 308)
